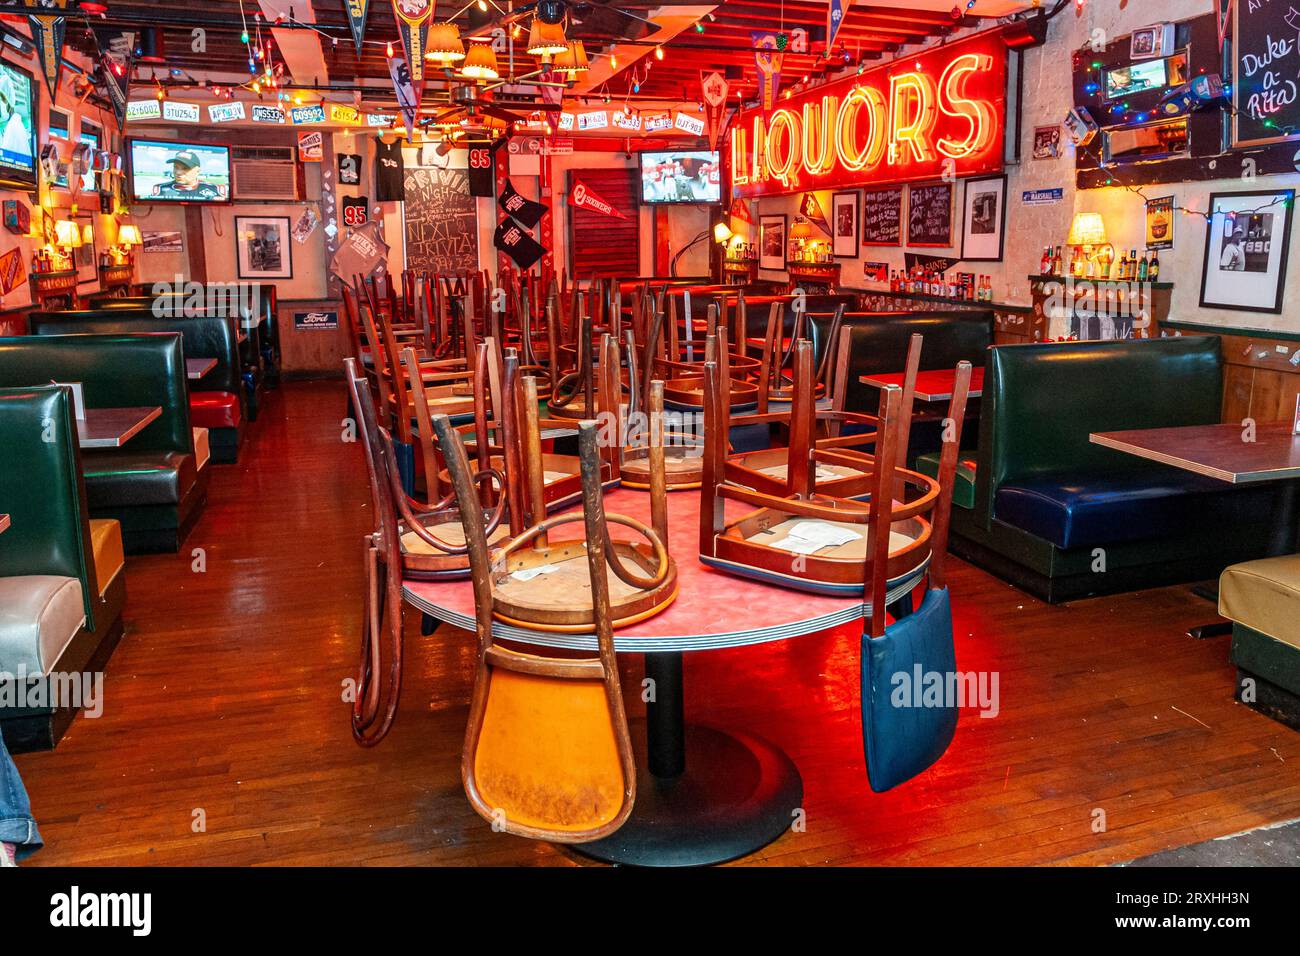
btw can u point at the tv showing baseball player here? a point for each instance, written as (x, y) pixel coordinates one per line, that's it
(681, 176)
(164, 171)
(17, 130)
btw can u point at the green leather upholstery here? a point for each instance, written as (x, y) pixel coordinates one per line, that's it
(963, 494)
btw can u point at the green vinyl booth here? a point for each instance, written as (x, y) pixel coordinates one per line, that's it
(1064, 518)
(217, 401)
(153, 484)
(62, 572)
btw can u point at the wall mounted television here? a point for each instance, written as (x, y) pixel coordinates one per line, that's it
(168, 171)
(681, 176)
(17, 128)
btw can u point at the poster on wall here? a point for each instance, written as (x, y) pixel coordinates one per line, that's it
(771, 242)
(984, 224)
(161, 241)
(441, 225)
(1047, 142)
(262, 247)
(1246, 250)
(325, 320)
(1160, 223)
(311, 147)
(86, 256)
(929, 215)
(844, 231)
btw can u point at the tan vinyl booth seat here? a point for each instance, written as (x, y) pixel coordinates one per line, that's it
(40, 614)
(1264, 596)
(106, 550)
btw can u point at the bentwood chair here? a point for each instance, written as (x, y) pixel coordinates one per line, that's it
(547, 752)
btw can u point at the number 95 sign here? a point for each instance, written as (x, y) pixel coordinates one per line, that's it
(355, 211)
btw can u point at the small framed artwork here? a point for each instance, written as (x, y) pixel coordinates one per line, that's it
(262, 247)
(844, 219)
(929, 215)
(1160, 223)
(1047, 142)
(1246, 250)
(984, 226)
(771, 242)
(86, 256)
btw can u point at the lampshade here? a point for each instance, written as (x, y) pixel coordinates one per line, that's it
(128, 235)
(444, 43)
(722, 232)
(87, 235)
(572, 59)
(1088, 229)
(67, 234)
(481, 62)
(802, 229)
(546, 39)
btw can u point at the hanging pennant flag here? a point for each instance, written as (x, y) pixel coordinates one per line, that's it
(1222, 15)
(408, 98)
(413, 24)
(522, 248)
(515, 204)
(47, 34)
(584, 197)
(713, 87)
(811, 210)
(357, 20)
(116, 49)
(835, 10)
(767, 57)
(740, 211)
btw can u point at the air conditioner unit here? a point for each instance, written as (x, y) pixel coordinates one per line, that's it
(264, 172)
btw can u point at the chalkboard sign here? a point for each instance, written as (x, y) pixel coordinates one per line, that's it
(929, 215)
(1266, 63)
(882, 215)
(441, 225)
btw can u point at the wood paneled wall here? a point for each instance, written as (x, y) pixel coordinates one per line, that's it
(1259, 379)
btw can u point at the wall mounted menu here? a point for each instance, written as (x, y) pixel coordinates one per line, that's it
(929, 215)
(441, 225)
(882, 215)
(1266, 62)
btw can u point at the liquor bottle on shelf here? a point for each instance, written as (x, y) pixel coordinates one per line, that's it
(1153, 270)
(1142, 269)
(1045, 263)
(1057, 264)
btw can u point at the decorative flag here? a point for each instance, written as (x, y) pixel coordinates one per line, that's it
(522, 248)
(740, 211)
(767, 57)
(525, 210)
(117, 50)
(941, 263)
(1222, 14)
(413, 24)
(357, 20)
(714, 87)
(584, 197)
(408, 97)
(47, 34)
(811, 210)
(835, 10)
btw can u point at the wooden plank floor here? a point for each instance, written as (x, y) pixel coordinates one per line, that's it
(225, 697)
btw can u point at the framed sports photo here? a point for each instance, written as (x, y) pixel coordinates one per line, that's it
(984, 225)
(844, 224)
(1246, 248)
(771, 242)
(263, 248)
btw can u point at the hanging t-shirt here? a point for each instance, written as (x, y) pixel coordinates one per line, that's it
(390, 174)
(514, 241)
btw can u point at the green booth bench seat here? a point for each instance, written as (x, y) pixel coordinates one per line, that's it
(152, 484)
(1064, 518)
(62, 573)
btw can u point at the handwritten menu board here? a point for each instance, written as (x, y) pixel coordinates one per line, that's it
(882, 217)
(929, 215)
(1267, 61)
(441, 225)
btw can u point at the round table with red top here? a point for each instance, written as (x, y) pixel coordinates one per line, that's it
(703, 795)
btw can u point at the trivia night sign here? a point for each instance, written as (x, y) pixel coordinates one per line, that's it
(939, 112)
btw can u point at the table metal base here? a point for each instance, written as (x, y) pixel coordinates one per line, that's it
(736, 795)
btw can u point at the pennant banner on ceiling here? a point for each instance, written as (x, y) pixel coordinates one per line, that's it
(713, 87)
(584, 197)
(767, 56)
(835, 10)
(811, 210)
(413, 23)
(47, 35)
(408, 98)
(357, 20)
(116, 55)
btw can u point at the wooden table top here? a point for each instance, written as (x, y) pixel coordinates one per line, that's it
(932, 386)
(196, 368)
(1215, 450)
(114, 427)
(713, 610)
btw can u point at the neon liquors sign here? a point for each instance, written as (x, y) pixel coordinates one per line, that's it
(918, 117)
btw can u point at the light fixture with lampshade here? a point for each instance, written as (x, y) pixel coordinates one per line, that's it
(480, 62)
(1092, 253)
(546, 39)
(572, 60)
(444, 44)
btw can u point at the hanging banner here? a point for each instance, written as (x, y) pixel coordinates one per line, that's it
(408, 98)
(835, 10)
(513, 203)
(413, 24)
(740, 211)
(713, 87)
(357, 20)
(938, 113)
(47, 34)
(362, 254)
(522, 248)
(355, 210)
(584, 197)
(811, 210)
(482, 170)
(1222, 17)
(767, 57)
(116, 52)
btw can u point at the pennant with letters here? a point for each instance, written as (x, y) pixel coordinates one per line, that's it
(117, 53)
(811, 210)
(47, 34)
(835, 10)
(413, 24)
(584, 197)
(408, 97)
(357, 20)
(767, 57)
(714, 87)
(740, 211)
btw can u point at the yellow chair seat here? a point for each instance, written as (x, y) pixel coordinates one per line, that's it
(106, 545)
(1264, 595)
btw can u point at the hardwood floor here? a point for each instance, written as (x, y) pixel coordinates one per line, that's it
(225, 697)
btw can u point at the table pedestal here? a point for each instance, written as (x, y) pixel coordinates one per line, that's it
(702, 796)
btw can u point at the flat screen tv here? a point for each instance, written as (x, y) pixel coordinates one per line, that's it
(681, 176)
(168, 171)
(17, 128)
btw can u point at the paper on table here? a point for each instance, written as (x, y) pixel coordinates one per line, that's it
(823, 473)
(805, 537)
(527, 574)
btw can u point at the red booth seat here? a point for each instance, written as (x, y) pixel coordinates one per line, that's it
(214, 410)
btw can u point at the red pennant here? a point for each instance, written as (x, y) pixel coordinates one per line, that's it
(767, 57)
(740, 211)
(713, 89)
(413, 24)
(811, 210)
(584, 197)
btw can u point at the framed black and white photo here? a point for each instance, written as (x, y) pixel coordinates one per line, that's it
(984, 225)
(263, 248)
(771, 242)
(844, 224)
(1245, 250)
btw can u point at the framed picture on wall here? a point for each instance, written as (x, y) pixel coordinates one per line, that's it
(984, 225)
(771, 242)
(263, 248)
(844, 224)
(1246, 248)
(86, 255)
